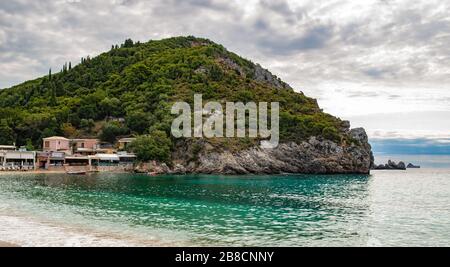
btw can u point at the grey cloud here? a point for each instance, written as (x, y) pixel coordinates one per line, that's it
(282, 7)
(306, 42)
(378, 73)
(315, 37)
(14, 6)
(384, 49)
(357, 94)
(394, 96)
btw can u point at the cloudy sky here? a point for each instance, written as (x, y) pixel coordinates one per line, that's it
(383, 64)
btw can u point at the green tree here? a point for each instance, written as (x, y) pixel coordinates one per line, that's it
(6, 133)
(87, 124)
(48, 132)
(128, 43)
(111, 132)
(138, 122)
(88, 111)
(53, 101)
(29, 146)
(69, 131)
(155, 146)
(110, 106)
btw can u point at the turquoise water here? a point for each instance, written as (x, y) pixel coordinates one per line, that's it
(387, 208)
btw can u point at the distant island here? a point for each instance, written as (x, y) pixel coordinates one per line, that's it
(127, 92)
(412, 166)
(391, 165)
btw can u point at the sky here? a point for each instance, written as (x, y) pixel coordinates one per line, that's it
(382, 64)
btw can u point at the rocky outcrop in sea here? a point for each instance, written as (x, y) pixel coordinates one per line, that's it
(391, 165)
(412, 166)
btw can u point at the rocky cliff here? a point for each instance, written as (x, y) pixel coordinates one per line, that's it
(315, 156)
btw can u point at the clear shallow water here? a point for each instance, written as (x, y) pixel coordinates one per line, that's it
(385, 209)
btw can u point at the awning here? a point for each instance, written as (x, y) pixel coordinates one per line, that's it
(107, 157)
(57, 155)
(14, 155)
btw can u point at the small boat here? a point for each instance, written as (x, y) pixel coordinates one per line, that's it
(76, 172)
(152, 173)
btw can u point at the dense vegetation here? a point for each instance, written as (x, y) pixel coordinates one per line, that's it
(129, 90)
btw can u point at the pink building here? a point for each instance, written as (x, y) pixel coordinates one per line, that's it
(85, 143)
(86, 146)
(57, 144)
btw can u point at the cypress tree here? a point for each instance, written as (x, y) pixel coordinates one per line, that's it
(52, 95)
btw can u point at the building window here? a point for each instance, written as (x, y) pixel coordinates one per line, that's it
(47, 144)
(82, 145)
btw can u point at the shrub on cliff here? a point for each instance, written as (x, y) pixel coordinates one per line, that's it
(331, 134)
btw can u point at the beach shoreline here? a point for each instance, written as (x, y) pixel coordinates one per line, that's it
(48, 172)
(7, 245)
(22, 230)
(31, 172)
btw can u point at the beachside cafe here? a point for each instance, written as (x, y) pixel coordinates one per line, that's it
(77, 161)
(50, 159)
(17, 160)
(104, 160)
(126, 158)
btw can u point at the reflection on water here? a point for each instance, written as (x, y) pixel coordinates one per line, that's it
(300, 210)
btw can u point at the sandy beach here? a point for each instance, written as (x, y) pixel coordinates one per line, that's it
(7, 245)
(32, 172)
(48, 172)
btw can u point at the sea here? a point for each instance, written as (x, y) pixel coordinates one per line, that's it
(386, 208)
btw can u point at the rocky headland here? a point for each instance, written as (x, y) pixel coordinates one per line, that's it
(315, 156)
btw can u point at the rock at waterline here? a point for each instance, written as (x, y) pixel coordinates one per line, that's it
(412, 166)
(391, 165)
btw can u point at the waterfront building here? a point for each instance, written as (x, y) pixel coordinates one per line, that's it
(50, 160)
(57, 144)
(126, 158)
(17, 160)
(89, 147)
(13, 159)
(60, 153)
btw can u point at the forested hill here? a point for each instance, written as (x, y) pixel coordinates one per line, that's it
(128, 91)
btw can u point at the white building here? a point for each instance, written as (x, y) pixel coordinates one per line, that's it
(11, 159)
